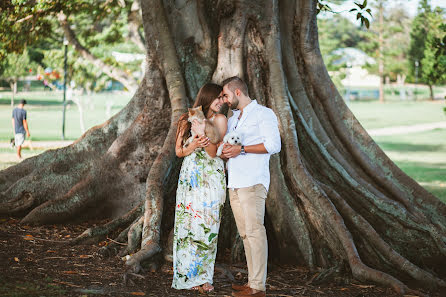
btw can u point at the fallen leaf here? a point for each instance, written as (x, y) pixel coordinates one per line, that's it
(344, 289)
(50, 251)
(138, 293)
(85, 256)
(69, 272)
(28, 237)
(16, 259)
(320, 292)
(67, 235)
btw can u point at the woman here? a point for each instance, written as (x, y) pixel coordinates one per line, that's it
(200, 196)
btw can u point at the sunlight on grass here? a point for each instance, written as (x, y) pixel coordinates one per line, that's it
(373, 115)
(421, 156)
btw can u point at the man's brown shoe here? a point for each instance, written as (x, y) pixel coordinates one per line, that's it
(249, 293)
(240, 287)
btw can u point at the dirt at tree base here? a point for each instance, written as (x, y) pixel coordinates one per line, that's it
(37, 261)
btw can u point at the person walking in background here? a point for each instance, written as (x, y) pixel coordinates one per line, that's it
(19, 126)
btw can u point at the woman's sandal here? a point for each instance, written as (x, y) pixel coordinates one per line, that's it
(206, 288)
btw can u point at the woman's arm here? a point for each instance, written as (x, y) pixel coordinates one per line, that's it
(181, 151)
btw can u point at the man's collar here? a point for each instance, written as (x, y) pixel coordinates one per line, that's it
(250, 106)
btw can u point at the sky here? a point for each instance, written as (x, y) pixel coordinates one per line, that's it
(411, 6)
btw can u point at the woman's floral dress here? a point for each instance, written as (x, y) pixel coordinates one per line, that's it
(200, 197)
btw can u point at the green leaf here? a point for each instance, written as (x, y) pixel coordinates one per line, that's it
(358, 16)
(367, 22)
(353, 9)
(201, 245)
(369, 11)
(364, 3)
(206, 229)
(212, 236)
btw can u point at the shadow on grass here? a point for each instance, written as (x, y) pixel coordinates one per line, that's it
(431, 176)
(44, 102)
(410, 147)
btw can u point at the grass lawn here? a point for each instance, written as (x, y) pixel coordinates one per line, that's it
(421, 155)
(44, 112)
(373, 115)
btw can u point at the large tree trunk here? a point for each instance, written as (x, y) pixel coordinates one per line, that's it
(335, 197)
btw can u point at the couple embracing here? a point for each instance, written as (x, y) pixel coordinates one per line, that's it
(201, 189)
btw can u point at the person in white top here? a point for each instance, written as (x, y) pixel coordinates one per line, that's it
(249, 177)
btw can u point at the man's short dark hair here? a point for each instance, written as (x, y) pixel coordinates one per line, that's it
(234, 83)
(23, 101)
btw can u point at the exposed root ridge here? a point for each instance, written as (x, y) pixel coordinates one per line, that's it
(135, 236)
(375, 240)
(19, 204)
(113, 247)
(103, 230)
(64, 207)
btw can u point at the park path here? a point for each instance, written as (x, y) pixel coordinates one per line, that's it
(406, 129)
(42, 144)
(373, 132)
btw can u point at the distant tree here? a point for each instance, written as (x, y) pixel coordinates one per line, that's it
(13, 67)
(337, 32)
(418, 39)
(434, 60)
(396, 44)
(85, 24)
(388, 42)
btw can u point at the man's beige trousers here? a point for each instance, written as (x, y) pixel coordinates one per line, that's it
(248, 206)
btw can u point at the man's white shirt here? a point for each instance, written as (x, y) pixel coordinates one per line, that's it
(258, 124)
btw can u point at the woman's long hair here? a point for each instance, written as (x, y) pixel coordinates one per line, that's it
(206, 95)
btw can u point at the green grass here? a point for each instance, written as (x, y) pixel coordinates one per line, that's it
(374, 115)
(421, 156)
(45, 113)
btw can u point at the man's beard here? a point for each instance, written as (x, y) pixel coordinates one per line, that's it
(235, 102)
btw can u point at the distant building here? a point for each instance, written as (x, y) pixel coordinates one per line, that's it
(356, 75)
(352, 56)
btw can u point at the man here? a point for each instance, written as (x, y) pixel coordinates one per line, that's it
(19, 126)
(248, 178)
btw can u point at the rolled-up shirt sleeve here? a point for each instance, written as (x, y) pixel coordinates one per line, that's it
(270, 132)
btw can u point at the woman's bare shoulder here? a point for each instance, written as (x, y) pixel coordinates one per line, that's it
(220, 117)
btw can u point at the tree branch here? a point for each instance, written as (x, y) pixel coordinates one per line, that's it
(115, 73)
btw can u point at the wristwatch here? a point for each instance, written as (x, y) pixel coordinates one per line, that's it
(242, 152)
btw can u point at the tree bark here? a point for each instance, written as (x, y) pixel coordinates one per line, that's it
(431, 92)
(335, 199)
(13, 85)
